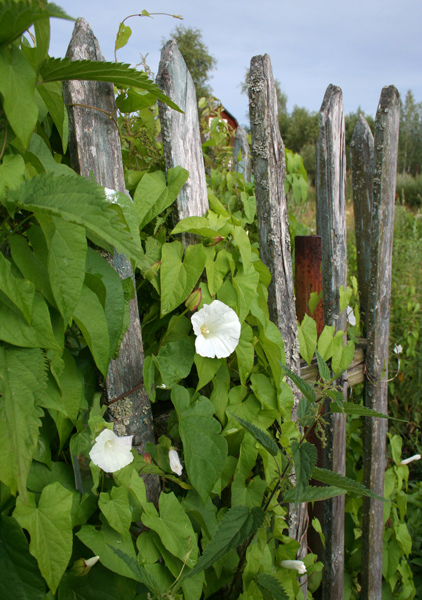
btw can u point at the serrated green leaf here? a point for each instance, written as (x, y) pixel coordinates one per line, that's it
(17, 85)
(64, 69)
(314, 494)
(349, 408)
(272, 585)
(139, 573)
(305, 412)
(261, 436)
(345, 483)
(301, 384)
(179, 274)
(19, 573)
(205, 450)
(20, 291)
(154, 194)
(78, 200)
(50, 527)
(305, 457)
(238, 524)
(307, 334)
(90, 317)
(17, 17)
(324, 371)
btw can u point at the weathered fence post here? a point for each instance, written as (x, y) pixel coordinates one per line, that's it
(95, 147)
(273, 225)
(243, 164)
(180, 131)
(362, 164)
(331, 226)
(378, 316)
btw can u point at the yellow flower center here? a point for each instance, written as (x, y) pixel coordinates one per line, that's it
(108, 444)
(204, 330)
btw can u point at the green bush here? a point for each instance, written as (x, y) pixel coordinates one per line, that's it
(409, 189)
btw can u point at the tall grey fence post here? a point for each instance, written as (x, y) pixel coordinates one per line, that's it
(95, 147)
(273, 225)
(362, 165)
(180, 131)
(378, 317)
(331, 226)
(242, 162)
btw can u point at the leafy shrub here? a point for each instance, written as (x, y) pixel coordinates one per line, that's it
(409, 189)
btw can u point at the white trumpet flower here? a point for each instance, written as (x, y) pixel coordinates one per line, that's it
(217, 329)
(298, 565)
(175, 464)
(111, 452)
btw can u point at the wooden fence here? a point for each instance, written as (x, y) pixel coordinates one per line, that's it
(95, 146)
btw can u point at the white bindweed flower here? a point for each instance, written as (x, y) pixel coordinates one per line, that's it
(217, 330)
(406, 461)
(298, 565)
(111, 452)
(350, 316)
(398, 349)
(175, 464)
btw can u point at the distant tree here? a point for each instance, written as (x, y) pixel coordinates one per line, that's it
(197, 57)
(410, 141)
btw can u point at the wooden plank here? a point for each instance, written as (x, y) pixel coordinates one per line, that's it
(362, 165)
(95, 147)
(274, 238)
(244, 163)
(378, 316)
(355, 373)
(180, 132)
(331, 226)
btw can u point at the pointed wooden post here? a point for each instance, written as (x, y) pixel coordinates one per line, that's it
(362, 165)
(378, 316)
(273, 225)
(244, 163)
(180, 131)
(95, 147)
(331, 226)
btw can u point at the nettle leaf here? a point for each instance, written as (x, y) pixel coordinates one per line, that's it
(301, 384)
(174, 361)
(19, 573)
(174, 528)
(22, 379)
(90, 318)
(305, 457)
(272, 585)
(349, 408)
(237, 525)
(139, 573)
(324, 371)
(179, 274)
(305, 412)
(345, 483)
(307, 334)
(50, 528)
(17, 85)
(64, 69)
(154, 194)
(78, 200)
(20, 291)
(261, 436)
(17, 17)
(205, 449)
(313, 494)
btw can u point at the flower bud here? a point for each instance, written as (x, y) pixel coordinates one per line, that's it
(147, 458)
(213, 241)
(194, 300)
(83, 566)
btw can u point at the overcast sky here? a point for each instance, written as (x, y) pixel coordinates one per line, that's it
(359, 45)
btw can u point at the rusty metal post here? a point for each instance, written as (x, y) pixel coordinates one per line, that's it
(308, 276)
